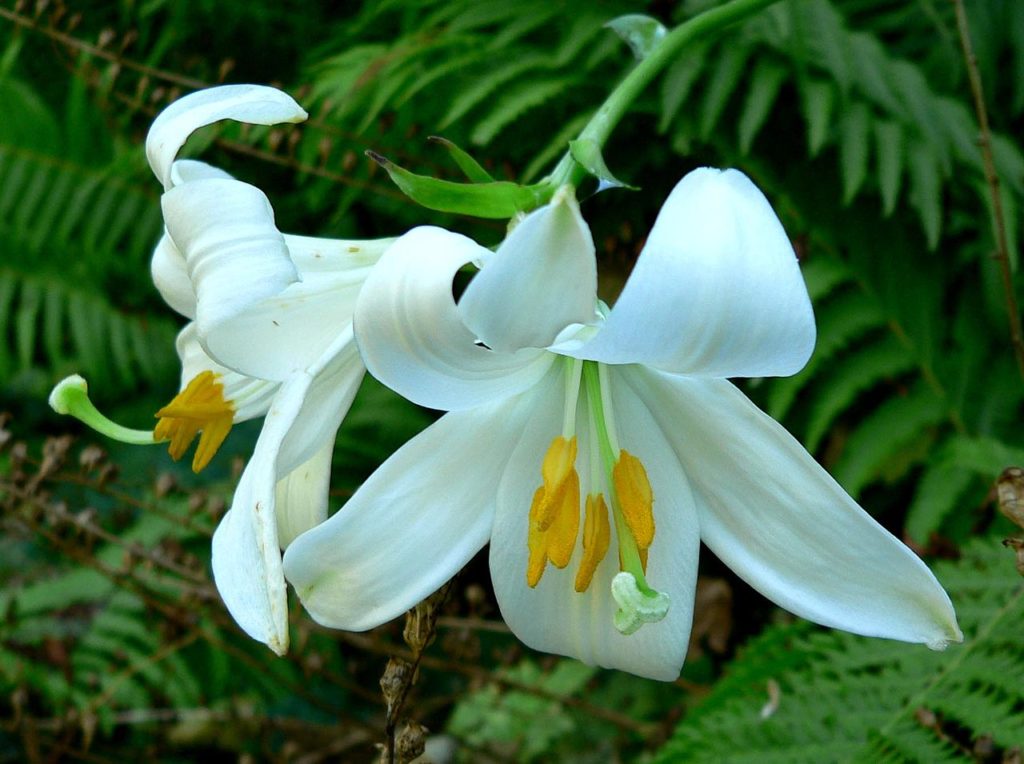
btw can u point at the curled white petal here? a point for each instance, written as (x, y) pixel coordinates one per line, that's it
(299, 428)
(255, 104)
(542, 278)
(170, 276)
(716, 291)
(412, 338)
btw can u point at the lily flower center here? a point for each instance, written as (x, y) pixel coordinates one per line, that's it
(615, 473)
(200, 409)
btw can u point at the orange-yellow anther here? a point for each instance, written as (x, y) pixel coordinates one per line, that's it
(633, 490)
(597, 536)
(558, 471)
(200, 407)
(555, 511)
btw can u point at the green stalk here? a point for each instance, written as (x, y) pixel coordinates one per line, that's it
(617, 104)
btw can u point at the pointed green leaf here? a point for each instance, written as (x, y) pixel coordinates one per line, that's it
(679, 81)
(731, 66)
(818, 99)
(853, 149)
(469, 166)
(889, 145)
(588, 154)
(926, 191)
(642, 33)
(764, 88)
(498, 199)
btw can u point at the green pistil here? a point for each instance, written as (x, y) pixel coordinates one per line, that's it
(629, 553)
(71, 397)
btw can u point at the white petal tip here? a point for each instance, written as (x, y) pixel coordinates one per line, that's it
(955, 637)
(278, 644)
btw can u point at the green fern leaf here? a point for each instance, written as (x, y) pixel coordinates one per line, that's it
(765, 83)
(845, 698)
(926, 190)
(885, 433)
(728, 71)
(849, 377)
(854, 142)
(514, 103)
(818, 100)
(938, 493)
(889, 148)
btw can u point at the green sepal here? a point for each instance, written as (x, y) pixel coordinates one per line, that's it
(471, 168)
(642, 33)
(588, 154)
(495, 199)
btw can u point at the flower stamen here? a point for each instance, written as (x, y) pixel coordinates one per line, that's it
(597, 536)
(555, 511)
(200, 408)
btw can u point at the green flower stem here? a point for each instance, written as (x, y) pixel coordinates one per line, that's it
(617, 104)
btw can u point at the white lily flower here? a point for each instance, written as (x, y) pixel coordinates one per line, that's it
(271, 336)
(610, 453)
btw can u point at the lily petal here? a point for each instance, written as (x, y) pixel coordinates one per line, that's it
(553, 617)
(168, 268)
(247, 284)
(170, 276)
(716, 291)
(255, 104)
(412, 525)
(301, 497)
(313, 255)
(250, 397)
(412, 338)
(542, 278)
(299, 427)
(774, 516)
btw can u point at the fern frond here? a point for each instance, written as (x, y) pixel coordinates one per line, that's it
(848, 698)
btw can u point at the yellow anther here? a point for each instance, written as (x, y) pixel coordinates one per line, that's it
(558, 471)
(633, 490)
(555, 511)
(200, 407)
(597, 536)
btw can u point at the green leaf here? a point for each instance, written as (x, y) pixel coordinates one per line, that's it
(514, 104)
(889, 146)
(679, 81)
(469, 166)
(817, 102)
(850, 376)
(887, 432)
(762, 92)
(847, 698)
(588, 153)
(926, 191)
(730, 67)
(938, 492)
(498, 199)
(853, 149)
(642, 33)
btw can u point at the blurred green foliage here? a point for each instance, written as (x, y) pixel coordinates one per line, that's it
(854, 117)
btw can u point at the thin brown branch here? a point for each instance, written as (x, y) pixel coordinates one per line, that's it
(1002, 255)
(370, 644)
